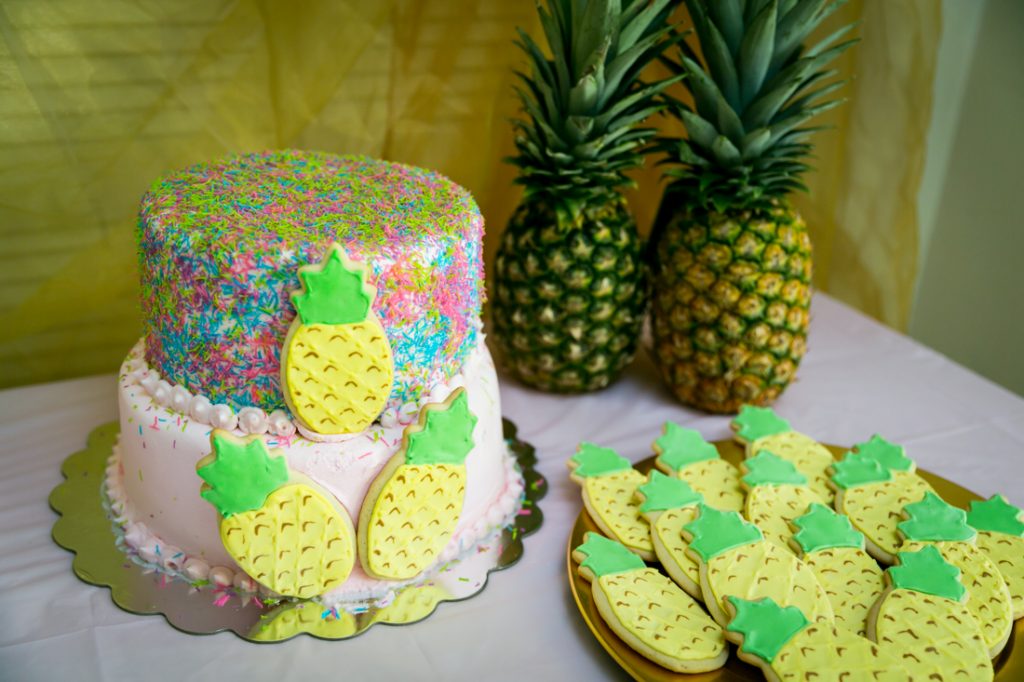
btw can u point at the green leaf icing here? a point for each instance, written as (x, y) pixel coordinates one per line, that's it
(716, 532)
(593, 460)
(926, 571)
(757, 422)
(889, 455)
(765, 468)
(663, 492)
(606, 556)
(996, 515)
(334, 292)
(241, 474)
(679, 447)
(766, 627)
(935, 520)
(443, 435)
(852, 471)
(821, 528)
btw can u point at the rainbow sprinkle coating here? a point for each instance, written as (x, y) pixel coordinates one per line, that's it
(220, 245)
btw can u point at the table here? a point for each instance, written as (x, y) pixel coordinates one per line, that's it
(858, 378)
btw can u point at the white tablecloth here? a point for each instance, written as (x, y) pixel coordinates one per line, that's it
(858, 378)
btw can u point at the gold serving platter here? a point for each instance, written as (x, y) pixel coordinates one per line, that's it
(1009, 665)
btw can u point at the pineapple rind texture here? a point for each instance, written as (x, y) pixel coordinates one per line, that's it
(821, 651)
(772, 507)
(568, 300)
(655, 611)
(338, 377)
(718, 481)
(874, 510)
(667, 529)
(1007, 553)
(298, 543)
(931, 636)
(763, 569)
(853, 582)
(730, 307)
(811, 458)
(610, 501)
(988, 598)
(413, 519)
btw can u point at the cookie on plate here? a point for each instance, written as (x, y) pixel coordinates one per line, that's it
(668, 504)
(776, 494)
(684, 453)
(1001, 537)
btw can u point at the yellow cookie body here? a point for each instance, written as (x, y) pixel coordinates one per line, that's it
(988, 597)
(852, 580)
(874, 509)
(610, 501)
(718, 481)
(299, 543)
(656, 618)
(762, 569)
(337, 377)
(670, 547)
(772, 507)
(933, 637)
(826, 652)
(811, 458)
(1007, 553)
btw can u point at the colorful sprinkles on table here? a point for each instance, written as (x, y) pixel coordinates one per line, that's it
(215, 321)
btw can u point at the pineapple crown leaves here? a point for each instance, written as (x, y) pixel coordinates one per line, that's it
(754, 90)
(935, 520)
(766, 627)
(604, 557)
(679, 447)
(663, 492)
(926, 571)
(887, 454)
(592, 460)
(821, 528)
(757, 422)
(853, 471)
(766, 468)
(240, 473)
(443, 434)
(715, 532)
(581, 108)
(996, 515)
(334, 291)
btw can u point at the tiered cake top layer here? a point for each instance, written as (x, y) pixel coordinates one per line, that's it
(220, 245)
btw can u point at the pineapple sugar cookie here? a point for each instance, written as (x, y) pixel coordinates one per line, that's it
(414, 503)
(336, 364)
(668, 504)
(776, 494)
(283, 530)
(684, 453)
(649, 612)
(1000, 527)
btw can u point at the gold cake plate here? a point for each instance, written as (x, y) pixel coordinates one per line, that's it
(1009, 665)
(86, 528)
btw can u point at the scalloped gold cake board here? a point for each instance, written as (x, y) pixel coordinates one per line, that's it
(1009, 665)
(85, 528)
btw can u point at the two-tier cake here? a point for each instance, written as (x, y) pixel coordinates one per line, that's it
(311, 410)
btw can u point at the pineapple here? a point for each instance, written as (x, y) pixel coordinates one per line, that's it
(759, 428)
(922, 617)
(934, 522)
(735, 560)
(647, 610)
(283, 530)
(1001, 537)
(609, 486)
(569, 289)
(731, 258)
(786, 646)
(294, 618)
(336, 366)
(835, 552)
(873, 496)
(414, 503)
(684, 453)
(777, 494)
(668, 504)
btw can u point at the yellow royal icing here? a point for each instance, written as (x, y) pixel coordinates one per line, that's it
(610, 498)
(810, 457)
(772, 507)
(1007, 553)
(852, 580)
(874, 509)
(718, 481)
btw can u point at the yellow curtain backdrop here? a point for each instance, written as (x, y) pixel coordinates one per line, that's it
(101, 97)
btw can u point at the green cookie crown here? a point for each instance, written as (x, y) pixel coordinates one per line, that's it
(334, 292)
(766, 627)
(715, 532)
(606, 556)
(996, 515)
(663, 492)
(934, 520)
(766, 468)
(240, 473)
(443, 435)
(757, 422)
(592, 460)
(926, 571)
(679, 447)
